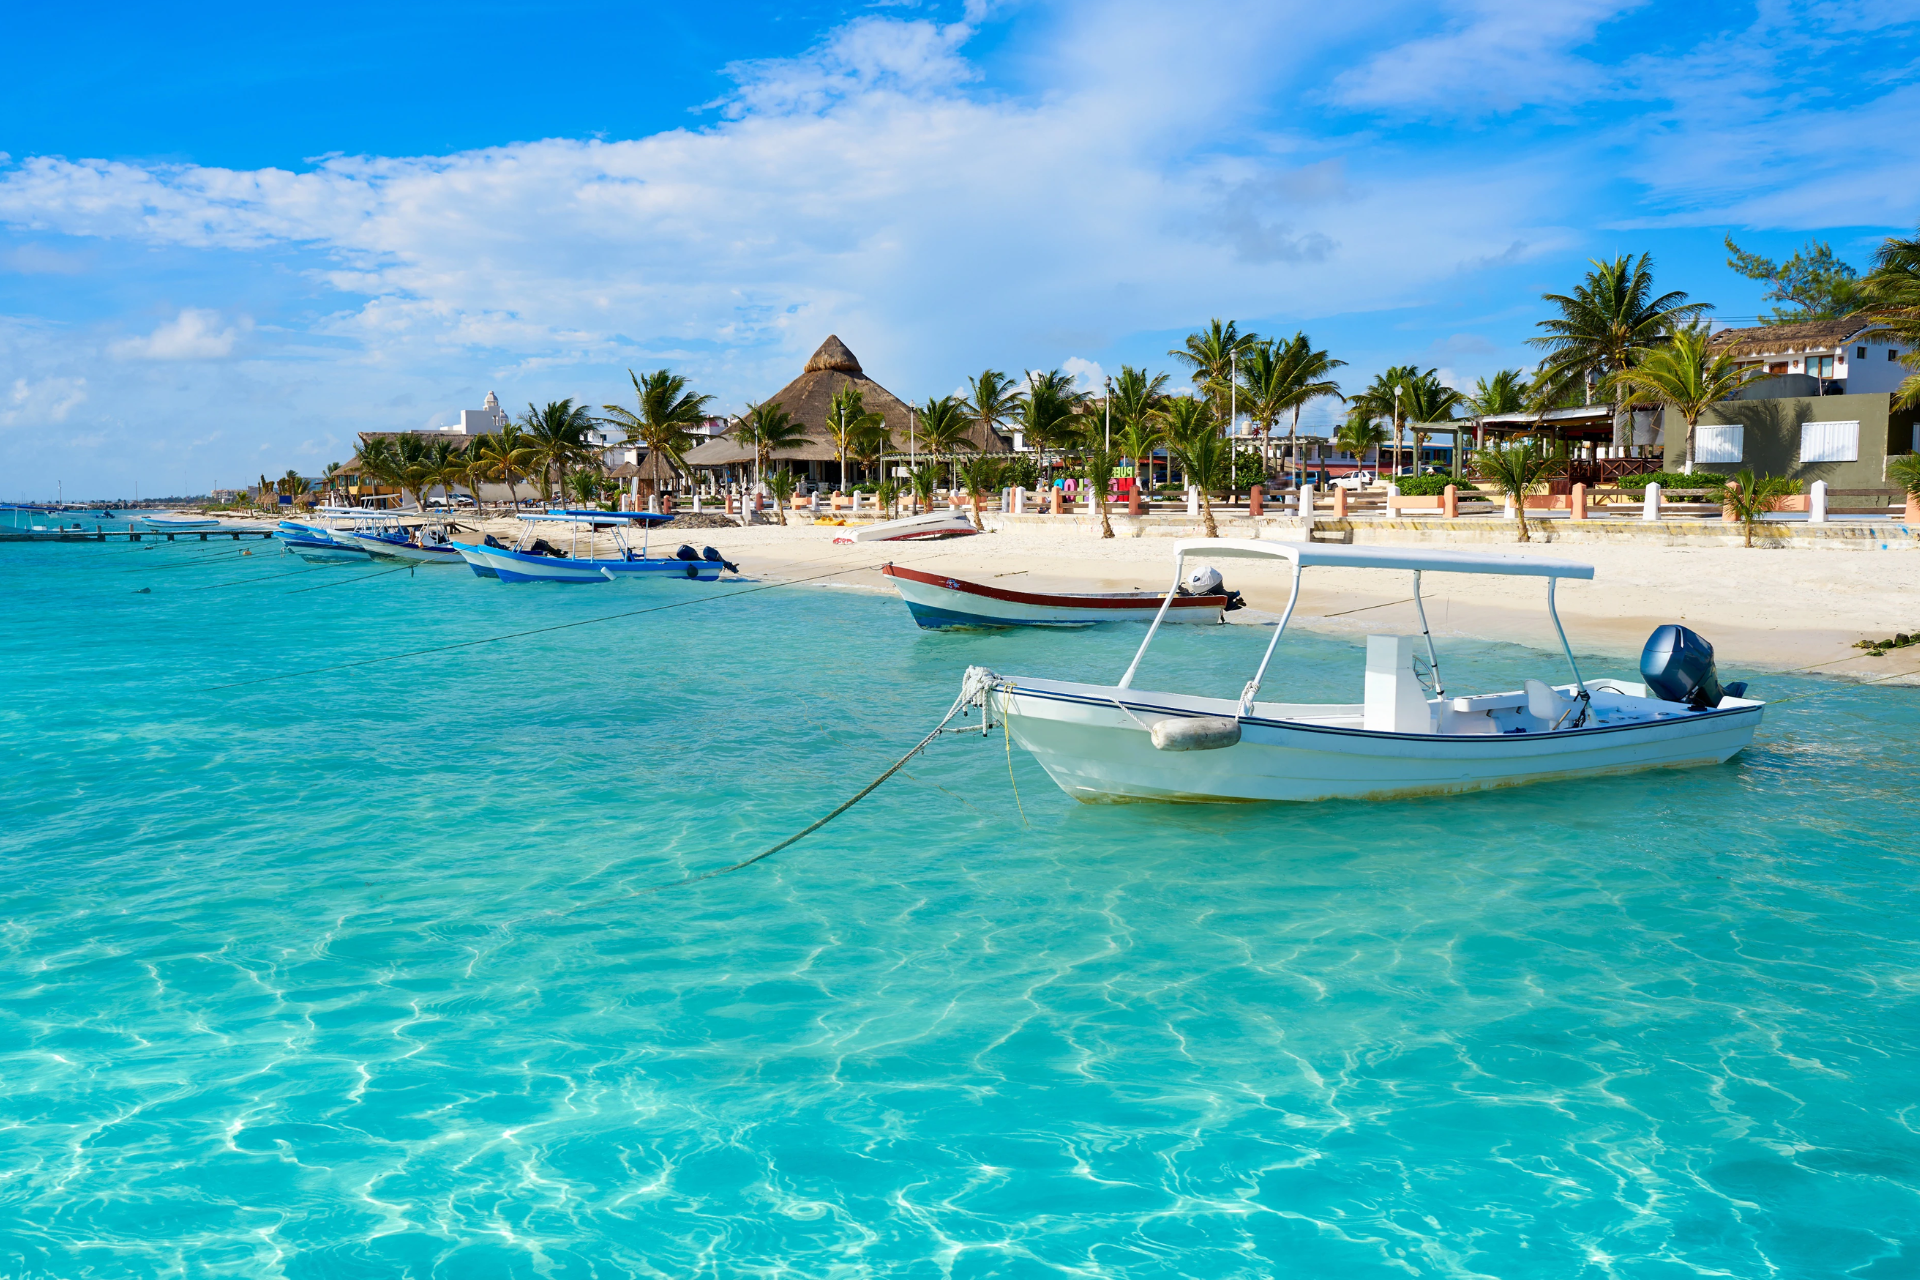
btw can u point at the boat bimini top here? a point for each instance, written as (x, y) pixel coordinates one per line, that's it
(1304, 555)
(594, 522)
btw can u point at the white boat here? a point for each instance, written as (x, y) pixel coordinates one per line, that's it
(170, 523)
(937, 601)
(533, 559)
(1410, 736)
(930, 525)
(384, 535)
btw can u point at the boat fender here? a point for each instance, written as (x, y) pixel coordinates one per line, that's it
(714, 557)
(1196, 733)
(693, 572)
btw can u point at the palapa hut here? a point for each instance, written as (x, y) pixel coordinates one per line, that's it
(654, 474)
(807, 398)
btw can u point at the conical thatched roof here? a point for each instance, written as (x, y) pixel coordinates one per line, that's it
(807, 398)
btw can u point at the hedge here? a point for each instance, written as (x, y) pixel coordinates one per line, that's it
(1675, 480)
(1430, 486)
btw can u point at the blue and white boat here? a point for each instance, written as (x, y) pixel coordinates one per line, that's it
(534, 559)
(322, 543)
(170, 523)
(383, 534)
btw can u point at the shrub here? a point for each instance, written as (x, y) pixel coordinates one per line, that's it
(1430, 486)
(1675, 480)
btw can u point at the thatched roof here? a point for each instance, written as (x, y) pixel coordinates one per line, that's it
(830, 369)
(1780, 339)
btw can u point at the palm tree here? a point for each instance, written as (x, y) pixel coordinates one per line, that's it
(871, 442)
(1893, 296)
(1423, 399)
(1385, 397)
(767, 428)
(1048, 413)
(584, 486)
(474, 474)
(992, 399)
(924, 483)
(668, 412)
(1357, 435)
(449, 463)
(847, 418)
(1505, 392)
(1206, 459)
(330, 478)
(981, 476)
(780, 483)
(1286, 376)
(1751, 498)
(376, 461)
(508, 455)
(1609, 321)
(944, 426)
(1101, 462)
(1514, 469)
(559, 435)
(293, 484)
(1685, 375)
(409, 465)
(1210, 353)
(1138, 440)
(1135, 397)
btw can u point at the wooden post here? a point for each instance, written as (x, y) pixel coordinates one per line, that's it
(1726, 513)
(1253, 501)
(1450, 502)
(1339, 502)
(1577, 502)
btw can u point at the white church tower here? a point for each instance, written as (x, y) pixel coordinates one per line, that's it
(474, 422)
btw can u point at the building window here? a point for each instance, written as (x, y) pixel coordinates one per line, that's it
(1893, 353)
(1718, 444)
(1780, 367)
(1830, 442)
(1820, 366)
(1859, 353)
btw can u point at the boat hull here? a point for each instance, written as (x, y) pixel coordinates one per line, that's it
(323, 550)
(1096, 751)
(407, 551)
(912, 528)
(516, 566)
(938, 603)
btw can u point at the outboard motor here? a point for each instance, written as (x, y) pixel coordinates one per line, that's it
(1204, 581)
(1677, 665)
(708, 553)
(686, 553)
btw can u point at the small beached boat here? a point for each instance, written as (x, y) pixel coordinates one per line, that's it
(913, 528)
(533, 559)
(937, 601)
(1408, 737)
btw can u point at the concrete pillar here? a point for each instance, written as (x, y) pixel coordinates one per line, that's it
(1817, 502)
(1304, 502)
(1056, 500)
(1254, 495)
(1193, 500)
(1450, 502)
(1576, 502)
(1506, 512)
(1339, 502)
(1092, 508)
(1019, 500)
(1726, 513)
(696, 502)
(1651, 508)
(1133, 500)
(653, 504)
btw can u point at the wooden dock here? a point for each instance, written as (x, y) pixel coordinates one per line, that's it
(128, 535)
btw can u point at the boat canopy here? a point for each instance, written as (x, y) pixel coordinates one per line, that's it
(599, 517)
(1307, 555)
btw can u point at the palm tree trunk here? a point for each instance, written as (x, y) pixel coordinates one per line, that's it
(1520, 514)
(1206, 506)
(1106, 525)
(977, 524)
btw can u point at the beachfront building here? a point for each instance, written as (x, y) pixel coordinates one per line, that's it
(828, 371)
(1815, 358)
(1845, 440)
(478, 422)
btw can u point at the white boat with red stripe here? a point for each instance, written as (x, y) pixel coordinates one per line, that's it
(938, 602)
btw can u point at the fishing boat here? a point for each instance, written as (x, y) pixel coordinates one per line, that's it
(534, 559)
(385, 536)
(937, 602)
(928, 526)
(1409, 736)
(316, 544)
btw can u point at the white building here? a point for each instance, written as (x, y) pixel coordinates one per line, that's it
(1843, 357)
(478, 422)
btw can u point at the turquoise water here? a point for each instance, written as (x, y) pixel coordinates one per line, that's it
(345, 976)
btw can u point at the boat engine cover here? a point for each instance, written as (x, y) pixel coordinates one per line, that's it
(1196, 733)
(686, 553)
(1204, 581)
(1677, 665)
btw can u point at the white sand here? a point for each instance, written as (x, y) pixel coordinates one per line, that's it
(1762, 608)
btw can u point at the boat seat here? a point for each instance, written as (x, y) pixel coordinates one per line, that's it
(1547, 705)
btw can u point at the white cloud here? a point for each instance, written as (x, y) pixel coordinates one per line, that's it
(42, 402)
(1087, 374)
(194, 334)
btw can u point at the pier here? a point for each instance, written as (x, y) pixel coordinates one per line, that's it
(128, 535)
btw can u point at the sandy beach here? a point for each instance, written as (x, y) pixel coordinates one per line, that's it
(1761, 608)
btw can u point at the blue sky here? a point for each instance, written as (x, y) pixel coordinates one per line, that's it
(231, 238)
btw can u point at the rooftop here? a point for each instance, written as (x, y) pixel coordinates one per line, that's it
(1777, 339)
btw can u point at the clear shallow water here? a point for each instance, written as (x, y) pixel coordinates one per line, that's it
(342, 975)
